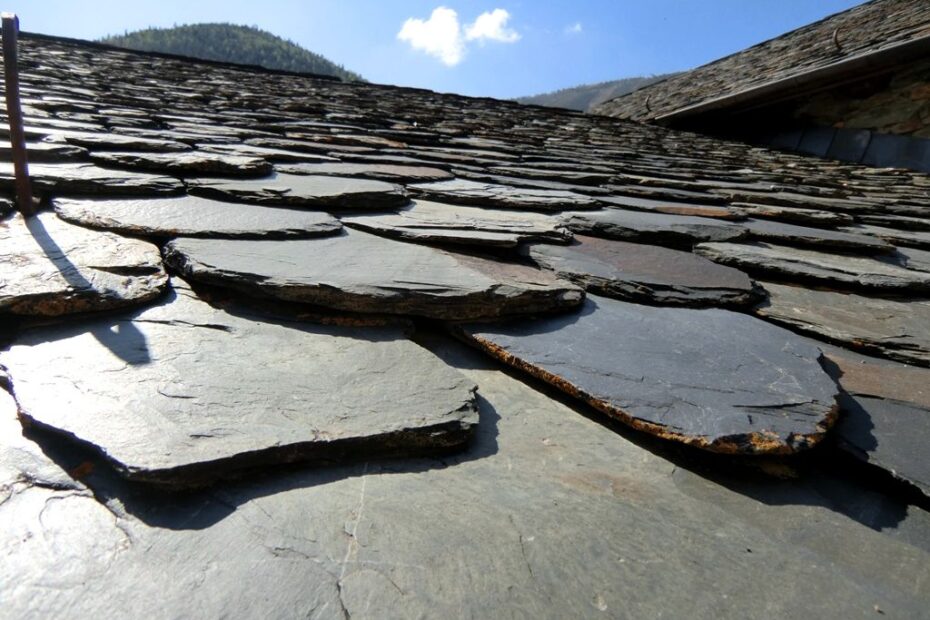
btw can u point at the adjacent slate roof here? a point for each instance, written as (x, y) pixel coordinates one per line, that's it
(278, 346)
(783, 65)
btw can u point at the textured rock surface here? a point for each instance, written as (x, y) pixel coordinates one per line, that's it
(382, 172)
(837, 270)
(519, 506)
(660, 228)
(886, 414)
(492, 195)
(192, 216)
(187, 163)
(910, 238)
(890, 328)
(182, 394)
(793, 214)
(647, 273)
(49, 267)
(803, 236)
(665, 371)
(360, 272)
(304, 191)
(442, 223)
(671, 207)
(91, 179)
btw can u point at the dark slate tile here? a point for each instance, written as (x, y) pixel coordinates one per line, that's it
(667, 372)
(796, 215)
(186, 164)
(360, 272)
(381, 172)
(47, 152)
(671, 207)
(894, 329)
(501, 196)
(91, 179)
(910, 238)
(836, 270)
(658, 228)
(269, 154)
(310, 192)
(804, 236)
(192, 216)
(645, 273)
(439, 223)
(182, 394)
(49, 267)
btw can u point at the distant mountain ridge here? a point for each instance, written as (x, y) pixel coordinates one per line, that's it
(231, 43)
(583, 98)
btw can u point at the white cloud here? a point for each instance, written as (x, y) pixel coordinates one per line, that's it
(492, 26)
(439, 36)
(443, 37)
(575, 28)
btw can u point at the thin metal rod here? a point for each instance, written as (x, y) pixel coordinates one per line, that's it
(15, 115)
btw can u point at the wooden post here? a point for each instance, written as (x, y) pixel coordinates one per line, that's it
(15, 115)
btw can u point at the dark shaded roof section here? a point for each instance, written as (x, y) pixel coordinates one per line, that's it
(867, 38)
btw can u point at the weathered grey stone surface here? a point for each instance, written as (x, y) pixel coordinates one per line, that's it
(381, 172)
(649, 273)
(793, 214)
(889, 328)
(310, 192)
(107, 141)
(910, 238)
(466, 192)
(49, 267)
(838, 270)
(918, 260)
(91, 179)
(659, 228)
(360, 272)
(668, 372)
(459, 224)
(46, 152)
(671, 207)
(193, 216)
(182, 394)
(519, 506)
(804, 236)
(188, 163)
(269, 154)
(886, 413)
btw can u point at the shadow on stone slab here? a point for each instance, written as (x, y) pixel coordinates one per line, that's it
(199, 509)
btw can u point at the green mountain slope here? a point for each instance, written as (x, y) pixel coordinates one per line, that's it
(230, 43)
(583, 98)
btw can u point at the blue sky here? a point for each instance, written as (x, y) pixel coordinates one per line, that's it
(495, 48)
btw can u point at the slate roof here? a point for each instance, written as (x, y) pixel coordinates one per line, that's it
(281, 346)
(873, 36)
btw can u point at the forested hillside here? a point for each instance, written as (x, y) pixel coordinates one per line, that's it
(231, 43)
(586, 96)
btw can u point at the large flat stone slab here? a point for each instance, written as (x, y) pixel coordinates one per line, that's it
(360, 272)
(49, 267)
(90, 179)
(672, 207)
(836, 270)
(658, 228)
(910, 238)
(193, 216)
(466, 192)
(519, 504)
(793, 214)
(644, 273)
(886, 414)
(182, 394)
(381, 172)
(713, 379)
(889, 328)
(458, 224)
(187, 163)
(311, 192)
(805, 236)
